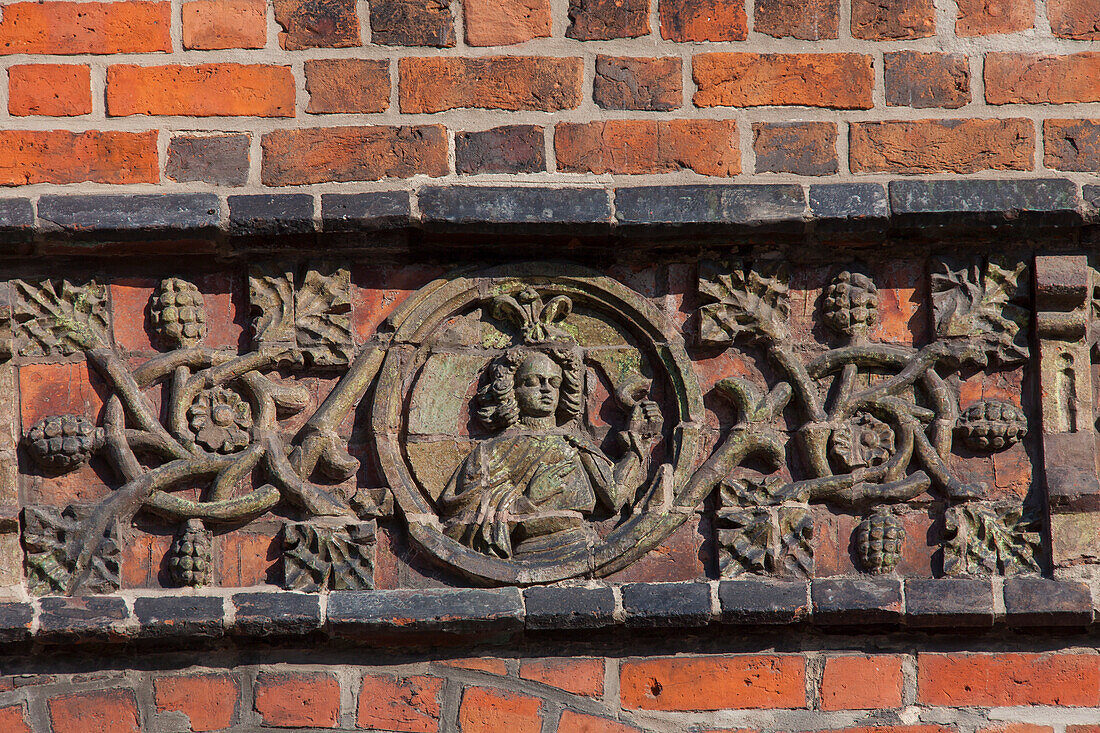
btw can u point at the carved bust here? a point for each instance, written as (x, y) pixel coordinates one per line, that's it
(532, 487)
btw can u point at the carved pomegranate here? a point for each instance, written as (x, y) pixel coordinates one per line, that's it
(992, 425)
(61, 443)
(851, 303)
(878, 539)
(178, 313)
(190, 557)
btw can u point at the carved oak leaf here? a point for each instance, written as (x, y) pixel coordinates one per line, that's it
(989, 538)
(53, 539)
(57, 317)
(322, 317)
(328, 558)
(772, 540)
(750, 301)
(272, 297)
(976, 303)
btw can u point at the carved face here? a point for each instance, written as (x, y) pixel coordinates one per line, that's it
(538, 385)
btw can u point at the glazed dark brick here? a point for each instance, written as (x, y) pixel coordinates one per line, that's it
(755, 601)
(507, 149)
(91, 617)
(1045, 602)
(856, 601)
(948, 602)
(915, 79)
(1072, 145)
(280, 213)
(553, 607)
(849, 201)
(220, 160)
(353, 212)
(805, 148)
(667, 604)
(807, 20)
(412, 23)
(455, 610)
(191, 616)
(601, 20)
(638, 83)
(276, 614)
(15, 621)
(136, 213)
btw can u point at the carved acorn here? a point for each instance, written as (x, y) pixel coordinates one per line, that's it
(178, 313)
(61, 443)
(992, 425)
(851, 303)
(190, 557)
(878, 540)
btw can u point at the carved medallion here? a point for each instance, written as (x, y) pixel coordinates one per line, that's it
(551, 426)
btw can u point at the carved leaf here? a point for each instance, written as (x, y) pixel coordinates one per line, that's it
(989, 538)
(51, 541)
(766, 540)
(271, 294)
(977, 303)
(322, 317)
(750, 301)
(56, 317)
(328, 558)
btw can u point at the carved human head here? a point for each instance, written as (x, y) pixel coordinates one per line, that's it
(530, 383)
(537, 385)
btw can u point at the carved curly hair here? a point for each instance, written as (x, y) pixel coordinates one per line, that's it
(497, 408)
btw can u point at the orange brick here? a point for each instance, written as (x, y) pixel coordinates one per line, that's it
(243, 559)
(208, 700)
(111, 711)
(708, 147)
(572, 722)
(499, 82)
(505, 22)
(60, 156)
(713, 683)
(485, 710)
(59, 389)
(892, 20)
(958, 680)
(307, 699)
(57, 90)
(12, 720)
(579, 676)
(837, 80)
(703, 20)
(895, 729)
(861, 683)
(1029, 728)
(130, 301)
(1026, 78)
(1077, 19)
(987, 17)
(72, 28)
(407, 705)
(941, 146)
(215, 24)
(1083, 729)
(206, 90)
(350, 86)
(488, 665)
(316, 155)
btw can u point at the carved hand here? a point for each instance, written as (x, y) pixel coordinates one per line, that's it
(646, 420)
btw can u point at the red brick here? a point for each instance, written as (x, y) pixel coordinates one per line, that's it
(130, 300)
(637, 83)
(378, 290)
(708, 147)
(505, 22)
(243, 559)
(713, 683)
(142, 555)
(572, 722)
(488, 665)
(486, 710)
(942, 146)
(1083, 729)
(208, 700)
(987, 17)
(412, 23)
(349, 86)
(1072, 145)
(216, 24)
(894, 729)
(807, 20)
(317, 24)
(307, 699)
(406, 705)
(703, 20)
(12, 720)
(58, 389)
(60, 156)
(601, 20)
(206, 90)
(73, 28)
(838, 80)
(576, 675)
(111, 711)
(804, 148)
(316, 155)
(1023, 78)
(218, 159)
(861, 683)
(505, 149)
(58, 90)
(1029, 728)
(891, 20)
(915, 79)
(997, 680)
(501, 82)
(1077, 19)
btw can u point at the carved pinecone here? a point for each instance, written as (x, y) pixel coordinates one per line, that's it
(851, 303)
(178, 313)
(878, 539)
(992, 425)
(189, 560)
(60, 443)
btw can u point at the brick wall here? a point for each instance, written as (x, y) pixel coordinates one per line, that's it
(193, 94)
(985, 692)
